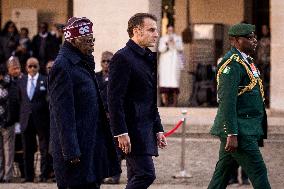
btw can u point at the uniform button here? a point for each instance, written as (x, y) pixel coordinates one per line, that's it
(247, 115)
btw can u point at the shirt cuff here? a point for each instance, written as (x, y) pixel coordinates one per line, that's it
(232, 134)
(121, 134)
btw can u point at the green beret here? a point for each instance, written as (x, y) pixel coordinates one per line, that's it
(241, 29)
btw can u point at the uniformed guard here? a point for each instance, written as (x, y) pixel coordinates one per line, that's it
(241, 122)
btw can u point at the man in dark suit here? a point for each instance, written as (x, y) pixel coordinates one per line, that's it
(34, 119)
(82, 145)
(241, 122)
(132, 94)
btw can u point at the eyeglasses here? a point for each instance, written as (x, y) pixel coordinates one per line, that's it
(105, 61)
(249, 37)
(32, 66)
(89, 40)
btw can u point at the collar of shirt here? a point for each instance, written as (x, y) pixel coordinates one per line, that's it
(35, 77)
(244, 55)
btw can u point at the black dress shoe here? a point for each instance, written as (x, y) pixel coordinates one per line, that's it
(26, 180)
(42, 180)
(233, 181)
(110, 180)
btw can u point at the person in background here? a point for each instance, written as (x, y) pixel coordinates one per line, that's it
(263, 61)
(45, 46)
(235, 173)
(82, 145)
(49, 66)
(23, 50)
(8, 117)
(9, 40)
(34, 120)
(132, 95)
(170, 64)
(102, 78)
(14, 70)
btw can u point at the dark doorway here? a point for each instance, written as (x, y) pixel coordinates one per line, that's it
(260, 17)
(260, 14)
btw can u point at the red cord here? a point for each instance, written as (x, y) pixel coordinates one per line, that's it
(174, 129)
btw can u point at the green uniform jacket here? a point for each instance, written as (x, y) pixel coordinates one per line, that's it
(244, 114)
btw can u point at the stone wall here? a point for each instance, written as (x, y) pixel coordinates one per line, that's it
(277, 58)
(110, 20)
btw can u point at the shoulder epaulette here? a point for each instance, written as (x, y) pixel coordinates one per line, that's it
(253, 80)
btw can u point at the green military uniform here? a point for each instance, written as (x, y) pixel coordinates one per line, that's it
(241, 112)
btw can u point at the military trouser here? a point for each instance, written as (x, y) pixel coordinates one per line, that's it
(249, 158)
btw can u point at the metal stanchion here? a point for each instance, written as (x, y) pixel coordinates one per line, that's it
(183, 173)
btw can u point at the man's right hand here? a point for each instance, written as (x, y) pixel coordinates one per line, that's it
(124, 143)
(232, 143)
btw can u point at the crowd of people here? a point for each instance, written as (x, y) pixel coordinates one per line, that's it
(24, 127)
(84, 123)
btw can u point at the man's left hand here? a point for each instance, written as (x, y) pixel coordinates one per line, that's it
(161, 140)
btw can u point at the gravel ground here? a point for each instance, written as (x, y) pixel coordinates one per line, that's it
(201, 156)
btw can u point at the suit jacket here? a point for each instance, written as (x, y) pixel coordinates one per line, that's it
(37, 106)
(132, 97)
(244, 114)
(79, 127)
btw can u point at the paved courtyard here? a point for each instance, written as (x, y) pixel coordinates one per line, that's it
(201, 156)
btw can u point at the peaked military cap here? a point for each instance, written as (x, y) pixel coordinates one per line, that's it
(241, 29)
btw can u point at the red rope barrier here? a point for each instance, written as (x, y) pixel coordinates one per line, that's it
(174, 129)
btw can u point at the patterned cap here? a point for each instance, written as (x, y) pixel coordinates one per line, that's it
(77, 27)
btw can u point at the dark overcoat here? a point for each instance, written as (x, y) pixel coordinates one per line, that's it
(132, 98)
(79, 126)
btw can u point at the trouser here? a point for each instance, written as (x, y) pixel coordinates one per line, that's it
(7, 151)
(140, 171)
(30, 147)
(248, 157)
(234, 174)
(83, 186)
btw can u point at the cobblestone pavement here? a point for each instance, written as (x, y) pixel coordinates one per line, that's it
(201, 157)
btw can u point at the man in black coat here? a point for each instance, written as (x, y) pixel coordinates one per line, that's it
(82, 145)
(102, 76)
(34, 119)
(45, 46)
(132, 91)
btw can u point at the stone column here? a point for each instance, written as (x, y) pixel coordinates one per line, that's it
(277, 56)
(110, 20)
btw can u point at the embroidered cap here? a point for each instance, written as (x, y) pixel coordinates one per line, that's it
(77, 27)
